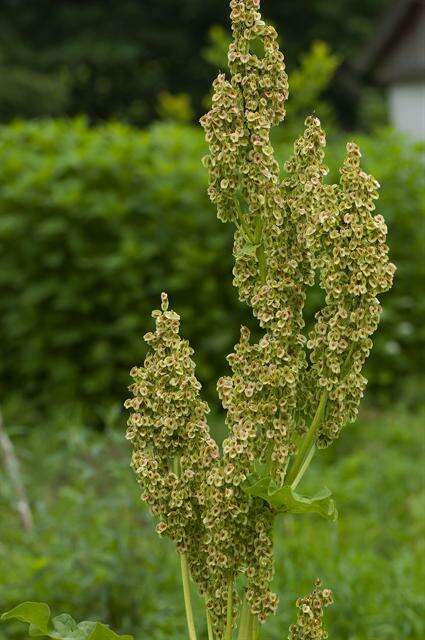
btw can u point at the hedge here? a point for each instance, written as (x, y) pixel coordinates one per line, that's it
(96, 222)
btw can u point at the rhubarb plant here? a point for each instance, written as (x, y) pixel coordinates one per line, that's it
(290, 392)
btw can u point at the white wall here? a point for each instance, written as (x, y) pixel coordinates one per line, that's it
(407, 108)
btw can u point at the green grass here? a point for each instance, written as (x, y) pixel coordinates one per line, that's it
(95, 555)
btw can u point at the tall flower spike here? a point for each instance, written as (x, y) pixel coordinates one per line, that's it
(244, 184)
(243, 172)
(352, 257)
(309, 625)
(172, 447)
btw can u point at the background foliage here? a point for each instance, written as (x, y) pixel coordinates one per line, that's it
(96, 222)
(113, 59)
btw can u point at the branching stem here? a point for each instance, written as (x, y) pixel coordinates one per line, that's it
(244, 622)
(304, 467)
(308, 442)
(308, 447)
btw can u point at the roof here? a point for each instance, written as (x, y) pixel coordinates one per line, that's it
(397, 51)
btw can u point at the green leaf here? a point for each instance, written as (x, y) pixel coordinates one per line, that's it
(36, 614)
(286, 500)
(64, 624)
(64, 627)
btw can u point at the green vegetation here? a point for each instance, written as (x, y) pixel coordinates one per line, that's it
(95, 222)
(94, 552)
(51, 63)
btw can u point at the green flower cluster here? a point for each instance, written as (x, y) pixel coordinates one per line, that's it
(172, 447)
(309, 624)
(351, 256)
(289, 232)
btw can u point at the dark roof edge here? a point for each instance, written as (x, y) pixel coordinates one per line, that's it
(393, 21)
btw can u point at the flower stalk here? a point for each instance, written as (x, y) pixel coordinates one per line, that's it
(209, 626)
(244, 621)
(306, 450)
(187, 598)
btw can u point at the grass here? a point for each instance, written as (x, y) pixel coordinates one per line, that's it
(94, 553)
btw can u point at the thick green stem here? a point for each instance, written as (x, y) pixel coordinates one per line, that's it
(187, 601)
(306, 452)
(255, 635)
(309, 441)
(304, 467)
(253, 629)
(249, 631)
(229, 619)
(244, 622)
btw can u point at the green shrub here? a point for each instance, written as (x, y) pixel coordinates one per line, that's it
(95, 222)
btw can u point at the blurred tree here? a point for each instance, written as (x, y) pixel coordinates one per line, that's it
(118, 55)
(29, 93)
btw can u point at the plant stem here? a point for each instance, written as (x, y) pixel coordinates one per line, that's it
(186, 594)
(185, 576)
(304, 467)
(308, 447)
(255, 633)
(308, 442)
(209, 626)
(244, 622)
(229, 621)
(249, 629)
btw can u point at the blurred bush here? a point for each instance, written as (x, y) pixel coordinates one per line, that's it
(96, 222)
(94, 552)
(175, 107)
(31, 93)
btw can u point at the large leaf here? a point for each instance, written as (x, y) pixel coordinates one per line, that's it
(63, 627)
(36, 614)
(286, 500)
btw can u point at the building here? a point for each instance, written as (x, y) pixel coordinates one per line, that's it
(395, 58)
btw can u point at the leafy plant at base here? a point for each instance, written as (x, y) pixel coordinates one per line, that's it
(289, 393)
(62, 627)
